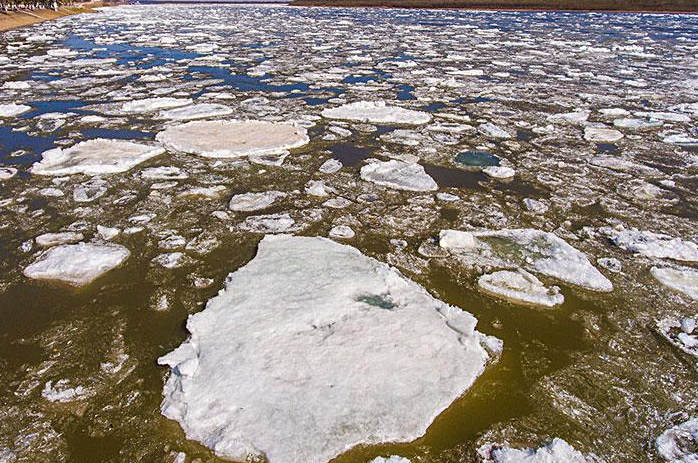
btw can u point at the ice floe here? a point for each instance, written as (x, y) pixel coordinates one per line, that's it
(377, 112)
(684, 280)
(301, 403)
(246, 202)
(13, 109)
(652, 244)
(520, 287)
(233, 139)
(534, 250)
(77, 264)
(558, 451)
(398, 175)
(197, 111)
(95, 157)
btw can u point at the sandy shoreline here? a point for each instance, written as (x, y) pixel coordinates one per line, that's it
(17, 19)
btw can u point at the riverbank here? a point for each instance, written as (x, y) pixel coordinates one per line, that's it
(650, 6)
(15, 19)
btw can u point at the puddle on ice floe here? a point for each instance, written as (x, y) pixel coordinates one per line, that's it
(380, 132)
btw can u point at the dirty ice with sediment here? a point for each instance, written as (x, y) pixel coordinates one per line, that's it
(391, 236)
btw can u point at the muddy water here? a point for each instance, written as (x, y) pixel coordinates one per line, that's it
(592, 371)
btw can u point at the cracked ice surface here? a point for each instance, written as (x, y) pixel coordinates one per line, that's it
(347, 373)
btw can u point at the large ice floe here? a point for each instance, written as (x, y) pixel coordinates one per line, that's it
(684, 280)
(558, 451)
(77, 264)
(233, 139)
(313, 348)
(399, 175)
(534, 250)
(95, 157)
(680, 443)
(377, 112)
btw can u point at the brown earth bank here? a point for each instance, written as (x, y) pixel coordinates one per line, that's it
(21, 18)
(666, 6)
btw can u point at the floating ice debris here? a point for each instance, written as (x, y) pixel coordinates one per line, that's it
(337, 203)
(246, 202)
(391, 459)
(172, 260)
(164, 173)
(317, 188)
(54, 239)
(7, 173)
(520, 287)
(107, 233)
(301, 293)
(680, 333)
(95, 157)
(457, 240)
(634, 124)
(90, 190)
(232, 139)
(77, 264)
(12, 109)
(558, 451)
(683, 279)
(610, 263)
(330, 166)
(651, 244)
(399, 175)
(154, 104)
(197, 111)
(535, 250)
(211, 192)
(377, 112)
(62, 394)
(535, 206)
(494, 131)
(447, 197)
(573, 117)
(16, 85)
(341, 232)
(270, 223)
(51, 192)
(603, 135)
(477, 159)
(499, 171)
(680, 443)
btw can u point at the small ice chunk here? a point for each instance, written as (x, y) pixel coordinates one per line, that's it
(494, 131)
(233, 139)
(54, 239)
(376, 112)
(682, 279)
(95, 157)
(107, 233)
(679, 443)
(330, 166)
(391, 459)
(447, 197)
(197, 111)
(154, 104)
(77, 264)
(603, 135)
(535, 206)
(575, 117)
(456, 239)
(7, 173)
(342, 232)
(12, 109)
(271, 223)
(172, 260)
(164, 173)
(62, 394)
(246, 202)
(398, 175)
(558, 451)
(520, 287)
(499, 172)
(317, 188)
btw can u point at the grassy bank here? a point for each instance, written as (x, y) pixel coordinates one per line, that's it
(15, 19)
(572, 5)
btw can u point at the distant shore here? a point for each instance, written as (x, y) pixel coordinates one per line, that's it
(22, 18)
(614, 6)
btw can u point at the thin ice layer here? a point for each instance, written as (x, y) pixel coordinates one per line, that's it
(232, 139)
(313, 348)
(95, 157)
